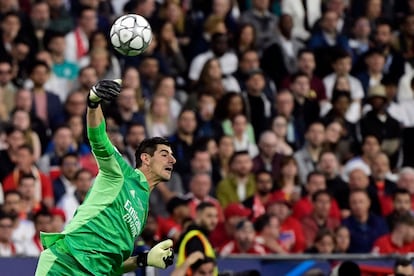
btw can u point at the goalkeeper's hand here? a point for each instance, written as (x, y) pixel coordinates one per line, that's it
(103, 90)
(161, 255)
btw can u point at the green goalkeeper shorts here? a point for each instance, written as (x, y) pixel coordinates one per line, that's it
(57, 260)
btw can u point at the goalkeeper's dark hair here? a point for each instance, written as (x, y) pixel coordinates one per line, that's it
(149, 146)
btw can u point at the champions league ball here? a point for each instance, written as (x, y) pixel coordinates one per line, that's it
(131, 34)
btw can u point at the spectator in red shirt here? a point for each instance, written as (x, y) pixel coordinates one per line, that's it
(258, 201)
(315, 181)
(319, 218)
(171, 227)
(401, 206)
(244, 241)
(268, 231)
(291, 233)
(200, 188)
(400, 240)
(25, 165)
(224, 232)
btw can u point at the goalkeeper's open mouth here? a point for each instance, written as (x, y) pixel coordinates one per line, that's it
(169, 169)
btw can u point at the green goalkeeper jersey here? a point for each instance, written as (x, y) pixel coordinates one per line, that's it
(102, 233)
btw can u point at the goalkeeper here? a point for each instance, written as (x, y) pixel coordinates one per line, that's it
(100, 238)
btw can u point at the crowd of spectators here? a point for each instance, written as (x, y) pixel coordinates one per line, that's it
(294, 119)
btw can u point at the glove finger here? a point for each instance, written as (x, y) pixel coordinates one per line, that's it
(166, 244)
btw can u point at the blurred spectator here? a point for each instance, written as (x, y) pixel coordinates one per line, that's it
(62, 143)
(264, 22)
(69, 165)
(383, 38)
(365, 227)
(399, 240)
(225, 152)
(46, 105)
(291, 232)
(342, 239)
(315, 181)
(379, 123)
(404, 38)
(166, 86)
(324, 243)
(306, 64)
(171, 227)
(7, 88)
(8, 157)
(75, 104)
(359, 179)
(240, 137)
(135, 134)
(60, 19)
(169, 49)
(304, 14)
(403, 267)
(306, 109)
(384, 181)
(320, 217)
(58, 220)
(183, 139)
(286, 47)
(207, 124)
(258, 104)
(38, 26)
(43, 223)
(373, 74)
(195, 237)
(268, 158)
(240, 183)
(406, 181)
(220, 49)
(288, 184)
(26, 187)
(342, 65)
(86, 79)
(23, 228)
(359, 41)
(198, 264)
(21, 120)
(257, 202)
(8, 248)
(72, 199)
(10, 29)
(200, 190)
(401, 206)
(230, 105)
(77, 41)
(280, 128)
(245, 40)
(308, 156)
(25, 165)
(268, 231)
(328, 165)
(244, 241)
(284, 106)
(370, 148)
(224, 232)
(157, 119)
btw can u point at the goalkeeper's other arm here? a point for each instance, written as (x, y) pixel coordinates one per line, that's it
(160, 256)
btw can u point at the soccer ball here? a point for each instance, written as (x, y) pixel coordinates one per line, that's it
(131, 34)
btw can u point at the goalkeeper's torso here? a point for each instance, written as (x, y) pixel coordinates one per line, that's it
(102, 233)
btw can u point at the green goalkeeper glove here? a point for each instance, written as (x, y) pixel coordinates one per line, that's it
(161, 255)
(103, 90)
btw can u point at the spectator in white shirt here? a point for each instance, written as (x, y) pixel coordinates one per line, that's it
(71, 201)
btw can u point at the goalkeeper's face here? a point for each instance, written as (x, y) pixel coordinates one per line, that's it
(162, 162)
